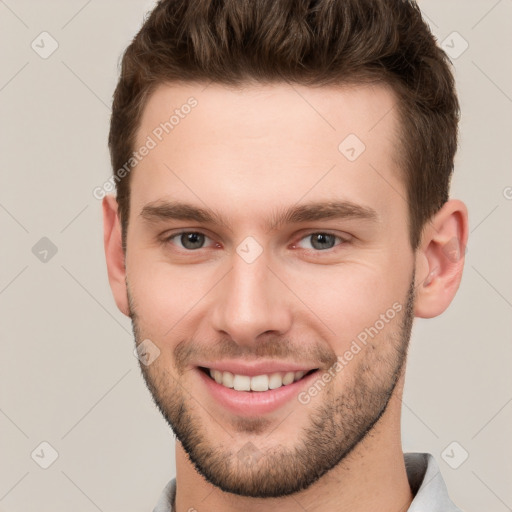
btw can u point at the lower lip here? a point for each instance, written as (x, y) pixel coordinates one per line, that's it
(254, 403)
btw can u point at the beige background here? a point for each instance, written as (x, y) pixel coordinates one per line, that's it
(67, 372)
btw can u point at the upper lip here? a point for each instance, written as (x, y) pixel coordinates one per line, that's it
(254, 368)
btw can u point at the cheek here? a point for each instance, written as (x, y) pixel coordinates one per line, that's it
(351, 298)
(165, 295)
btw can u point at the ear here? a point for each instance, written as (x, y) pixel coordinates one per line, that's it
(440, 259)
(114, 253)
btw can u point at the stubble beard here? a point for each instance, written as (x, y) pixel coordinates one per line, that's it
(336, 424)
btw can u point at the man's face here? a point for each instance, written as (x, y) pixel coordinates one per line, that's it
(270, 276)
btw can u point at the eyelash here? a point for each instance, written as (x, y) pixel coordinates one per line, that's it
(342, 240)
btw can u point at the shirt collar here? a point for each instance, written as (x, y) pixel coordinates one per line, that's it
(427, 484)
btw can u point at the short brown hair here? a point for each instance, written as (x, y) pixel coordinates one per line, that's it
(307, 42)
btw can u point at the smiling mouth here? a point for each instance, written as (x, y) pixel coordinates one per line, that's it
(256, 383)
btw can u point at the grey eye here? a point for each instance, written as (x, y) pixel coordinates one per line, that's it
(321, 241)
(192, 241)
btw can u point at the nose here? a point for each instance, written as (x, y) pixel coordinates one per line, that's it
(251, 301)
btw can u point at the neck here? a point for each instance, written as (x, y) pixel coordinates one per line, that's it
(371, 477)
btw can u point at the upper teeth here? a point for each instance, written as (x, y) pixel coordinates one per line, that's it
(256, 383)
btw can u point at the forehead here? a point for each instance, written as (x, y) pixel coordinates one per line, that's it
(264, 143)
(262, 109)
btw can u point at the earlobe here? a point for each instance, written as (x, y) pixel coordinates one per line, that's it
(440, 259)
(114, 253)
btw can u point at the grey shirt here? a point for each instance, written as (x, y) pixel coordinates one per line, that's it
(427, 485)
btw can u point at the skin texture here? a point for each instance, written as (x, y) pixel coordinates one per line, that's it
(248, 154)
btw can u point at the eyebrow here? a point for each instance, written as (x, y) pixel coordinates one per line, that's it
(176, 210)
